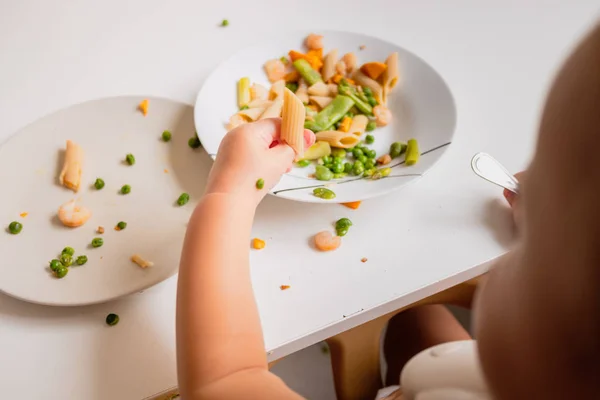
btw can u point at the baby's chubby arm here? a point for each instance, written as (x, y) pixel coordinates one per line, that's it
(220, 348)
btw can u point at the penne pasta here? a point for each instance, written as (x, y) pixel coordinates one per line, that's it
(277, 90)
(70, 175)
(252, 114)
(302, 91)
(350, 60)
(136, 258)
(274, 110)
(319, 89)
(292, 122)
(359, 124)
(329, 63)
(320, 101)
(365, 81)
(338, 139)
(333, 89)
(243, 92)
(258, 92)
(259, 103)
(235, 121)
(390, 76)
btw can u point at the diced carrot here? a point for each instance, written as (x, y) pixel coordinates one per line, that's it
(258, 244)
(284, 287)
(293, 76)
(353, 204)
(295, 55)
(337, 78)
(316, 53)
(144, 107)
(314, 61)
(23, 214)
(313, 107)
(373, 69)
(350, 81)
(345, 124)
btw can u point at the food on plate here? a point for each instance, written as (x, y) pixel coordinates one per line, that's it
(359, 125)
(382, 114)
(55, 264)
(112, 319)
(303, 163)
(81, 260)
(97, 242)
(384, 159)
(331, 114)
(70, 175)
(125, 189)
(260, 183)
(342, 225)
(100, 230)
(329, 63)
(373, 69)
(136, 258)
(352, 204)
(412, 152)
(324, 193)
(194, 142)
(130, 159)
(99, 183)
(120, 226)
(72, 214)
(183, 199)
(15, 227)
(397, 148)
(275, 70)
(61, 271)
(292, 123)
(338, 139)
(369, 139)
(143, 107)
(314, 41)
(350, 61)
(364, 259)
(391, 74)
(66, 259)
(325, 241)
(258, 244)
(284, 287)
(68, 250)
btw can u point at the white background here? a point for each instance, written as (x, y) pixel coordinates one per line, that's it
(497, 56)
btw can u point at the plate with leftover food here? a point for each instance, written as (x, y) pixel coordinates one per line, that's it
(98, 198)
(381, 114)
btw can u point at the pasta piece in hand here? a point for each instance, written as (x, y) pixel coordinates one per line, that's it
(292, 123)
(70, 176)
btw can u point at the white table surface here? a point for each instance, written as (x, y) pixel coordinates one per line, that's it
(498, 58)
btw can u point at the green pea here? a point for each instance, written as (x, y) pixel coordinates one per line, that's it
(225, 22)
(341, 231)
(66, 260)
(341, 153)
(328, 159)
(81, 260)
(396, 149)
(323, 173)
(371, 126)
(367, 91)
(370, 163)
(112, 319)
(303, 163)
(194, 142)
(293, 86)
(357, 152)
(348, 167)
(15, 227)
(130, 159)
(338, 160)
(99, 184)
(125, 189)
(343, 223)
(68, 250)
(340, 175)
(166, 136)
(61, 272)
(122, 225)
(324, 193)
(328, 166)
(97, 242)
(370, 139)
(260, 183)
(55, 265)
(242, 108)
(349, 114)
(371, 153)
(363, 159)
(358, 168)
(183, 199)
(337, 168)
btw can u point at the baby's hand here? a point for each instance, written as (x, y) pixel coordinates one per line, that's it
(251, 152)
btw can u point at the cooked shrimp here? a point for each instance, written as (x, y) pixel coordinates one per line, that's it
(325, 241)
(258, 91)
(275, 70)
(350, 60)
(383, 115)
(384, 159)
(340, 67)
(71, 214)
(314, 41)
(235, 121)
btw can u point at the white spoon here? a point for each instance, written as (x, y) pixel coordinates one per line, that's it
(491, 170)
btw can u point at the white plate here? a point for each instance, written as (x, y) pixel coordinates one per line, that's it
(422, 106)
(107, 130)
